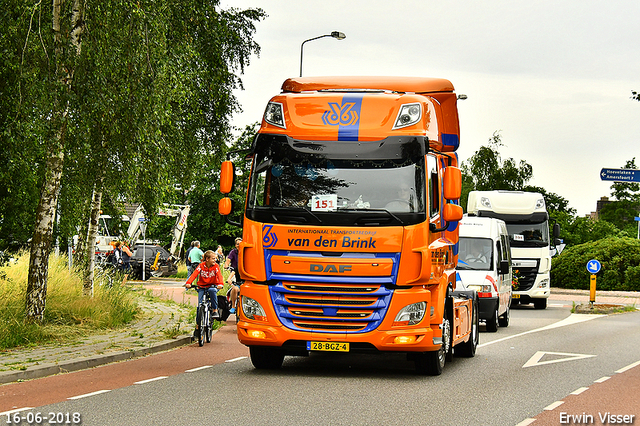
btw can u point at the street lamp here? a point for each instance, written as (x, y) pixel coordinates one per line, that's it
(335, 34)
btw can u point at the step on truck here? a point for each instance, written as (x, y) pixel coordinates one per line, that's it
(527, 220)
(350, 226)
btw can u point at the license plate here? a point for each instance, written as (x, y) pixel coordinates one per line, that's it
(515, 296)
(328, 346)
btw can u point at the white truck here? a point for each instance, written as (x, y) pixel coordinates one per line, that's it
(527, 221)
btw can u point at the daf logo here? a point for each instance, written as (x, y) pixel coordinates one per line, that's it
(341, 269)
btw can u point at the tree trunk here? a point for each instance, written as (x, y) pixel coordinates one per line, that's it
(42, 235)
(92, 232)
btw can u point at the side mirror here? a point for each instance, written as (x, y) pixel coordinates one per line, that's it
(504, 267)
(452, 212)
(227, 177)
(452, 183)
(225, 206)
(556, 230)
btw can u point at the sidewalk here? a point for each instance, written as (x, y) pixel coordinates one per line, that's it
(147, 335)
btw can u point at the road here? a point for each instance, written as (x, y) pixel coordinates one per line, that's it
(523, 374)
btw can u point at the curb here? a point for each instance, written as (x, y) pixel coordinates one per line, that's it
(49, 369)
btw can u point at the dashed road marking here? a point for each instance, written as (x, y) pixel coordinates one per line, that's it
(141, 382)
(578, 391)
(553, 406)
(628, 367)
(17, 410)
(90, 394)
(602, 379)
(526, 422)
(236, 359)
(198, 368)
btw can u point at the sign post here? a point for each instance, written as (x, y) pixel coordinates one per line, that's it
(637, 219)
(593, 266)
(143, 227)
(620, 175)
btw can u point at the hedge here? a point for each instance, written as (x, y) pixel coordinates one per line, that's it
(620, 259)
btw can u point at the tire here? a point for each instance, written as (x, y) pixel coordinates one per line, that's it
(266, 357)
(540, 303)
(504, 319)
(468, 348)
(492, 323)
(200, 323)
(432, 363)
(208, 330)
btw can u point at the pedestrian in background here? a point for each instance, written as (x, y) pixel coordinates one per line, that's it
(187, 261)
(234, 278)
(220, 255)
(195, 256)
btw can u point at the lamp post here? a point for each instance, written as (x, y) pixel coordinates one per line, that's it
(335, 34)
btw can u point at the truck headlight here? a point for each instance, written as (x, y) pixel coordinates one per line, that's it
(274, 114)
(409, 115)
(411, 314)
(544, 283)
(252, 309)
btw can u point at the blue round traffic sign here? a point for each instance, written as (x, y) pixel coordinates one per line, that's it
(593, 266)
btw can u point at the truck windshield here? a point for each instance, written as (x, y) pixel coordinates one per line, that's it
(529, 234)
(338, 183)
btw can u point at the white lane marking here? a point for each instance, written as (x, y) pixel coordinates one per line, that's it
(553, 406)
(17, 410)
(535, 359)
(578, 391)
(198, 368)
(141, 382)
(602, 379)
(570, 320)
(90, 394)
(236, 359)
(526, 422)
(628, 367)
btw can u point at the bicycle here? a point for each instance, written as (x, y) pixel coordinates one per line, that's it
(203, 320)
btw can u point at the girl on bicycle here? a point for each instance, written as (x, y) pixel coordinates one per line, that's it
(209, 280)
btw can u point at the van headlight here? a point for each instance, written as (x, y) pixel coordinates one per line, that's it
(411, 314)
(252, 309)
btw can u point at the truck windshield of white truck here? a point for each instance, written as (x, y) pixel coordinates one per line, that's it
(529, 234)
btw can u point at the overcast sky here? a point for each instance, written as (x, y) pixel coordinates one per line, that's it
(554, 77)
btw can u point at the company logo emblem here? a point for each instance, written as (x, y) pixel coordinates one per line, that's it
(341, 115)
(341, 269)
(269, 238)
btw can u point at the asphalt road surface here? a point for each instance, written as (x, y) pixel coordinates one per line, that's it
(546, 363)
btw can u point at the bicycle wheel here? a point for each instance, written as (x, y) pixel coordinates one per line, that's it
(209, 330)
(201, 323)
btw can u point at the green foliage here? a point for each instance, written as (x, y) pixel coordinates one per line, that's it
(620, 259)
(485, 170)
(579, 230)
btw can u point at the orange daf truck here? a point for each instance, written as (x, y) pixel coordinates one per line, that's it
(350, 225)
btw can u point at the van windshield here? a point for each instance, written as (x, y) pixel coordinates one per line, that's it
(476, 254)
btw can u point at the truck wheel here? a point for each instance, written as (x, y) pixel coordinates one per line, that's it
(468, 348)
(504, 319)
(431, 363)
(540, 303)
(266, 358)
(492, 323)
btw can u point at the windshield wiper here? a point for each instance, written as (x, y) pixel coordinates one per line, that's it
(370, 219)
(292, 214)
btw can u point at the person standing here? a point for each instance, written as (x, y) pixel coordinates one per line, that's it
(209, 280)
(220, 255)
(194, 256)
(234, 278)
(126, 258)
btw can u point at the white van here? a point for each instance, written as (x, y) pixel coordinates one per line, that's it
(484, 265)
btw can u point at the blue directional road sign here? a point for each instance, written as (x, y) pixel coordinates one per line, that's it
(620, 175)
(593, 266)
